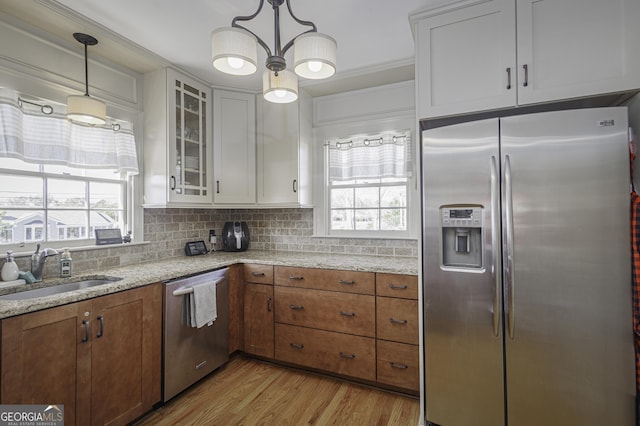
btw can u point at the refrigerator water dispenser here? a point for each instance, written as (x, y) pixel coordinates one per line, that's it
(461, 236)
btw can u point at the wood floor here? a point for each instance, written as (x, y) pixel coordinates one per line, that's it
(250, 392)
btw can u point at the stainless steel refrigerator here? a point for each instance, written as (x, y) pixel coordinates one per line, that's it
(526, 271)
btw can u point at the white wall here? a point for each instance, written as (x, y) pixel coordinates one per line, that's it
(372, 110)
(40, 66)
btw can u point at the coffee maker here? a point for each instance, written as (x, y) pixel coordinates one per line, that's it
(235, 236)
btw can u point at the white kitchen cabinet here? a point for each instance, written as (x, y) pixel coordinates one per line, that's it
(177, 140)
(283, 152)
(462, 57)
(234, 148)
(576, 48)
(467, 58)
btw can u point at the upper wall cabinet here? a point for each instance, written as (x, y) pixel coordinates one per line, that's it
(234, 147)
(177, 140)
(283, 152)
(467, 57)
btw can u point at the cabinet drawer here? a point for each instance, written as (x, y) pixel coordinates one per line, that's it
(326, 279)
(398, 365)
(397, 320)
(325, 350)
(326, 310)
(394, 285)
(260, 274)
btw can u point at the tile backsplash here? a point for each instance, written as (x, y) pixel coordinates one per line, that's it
(270, 229)
(167, 231)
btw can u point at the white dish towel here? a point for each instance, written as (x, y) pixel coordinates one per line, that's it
(203, 305)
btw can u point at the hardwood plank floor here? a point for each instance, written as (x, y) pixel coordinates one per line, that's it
(250, 392)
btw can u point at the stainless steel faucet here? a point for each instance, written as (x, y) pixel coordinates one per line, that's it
(37, 261)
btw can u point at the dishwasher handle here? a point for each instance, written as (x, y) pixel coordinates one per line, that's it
(188, 290)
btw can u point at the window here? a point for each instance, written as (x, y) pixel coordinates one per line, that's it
(44, 203)
(60, 180)
(368, 178)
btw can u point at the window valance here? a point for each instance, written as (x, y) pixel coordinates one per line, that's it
(378, 156)
(28, 134)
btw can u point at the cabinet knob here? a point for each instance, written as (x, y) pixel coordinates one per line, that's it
(401, 366)
(509, 78)
(295, 185)
(525, 83)
(346, 355)
(296, 307)
(296, 346)
(173, 183)
(395, 321)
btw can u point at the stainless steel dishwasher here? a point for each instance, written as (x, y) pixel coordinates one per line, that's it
(191, 353)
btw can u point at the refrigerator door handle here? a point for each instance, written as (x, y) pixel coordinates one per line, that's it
(511, 314)
(495, 226)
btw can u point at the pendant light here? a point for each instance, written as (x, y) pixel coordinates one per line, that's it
(281, 87)
(83, 108)
(234, 51)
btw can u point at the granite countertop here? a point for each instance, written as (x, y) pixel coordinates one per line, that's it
(147, 273)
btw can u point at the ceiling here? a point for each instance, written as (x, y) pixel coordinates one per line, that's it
(375, 43)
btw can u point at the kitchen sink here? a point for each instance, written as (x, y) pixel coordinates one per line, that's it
(59, 289)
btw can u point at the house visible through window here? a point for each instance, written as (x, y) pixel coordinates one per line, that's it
(367, 181)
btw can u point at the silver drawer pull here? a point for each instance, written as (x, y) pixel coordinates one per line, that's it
(298, 278)
(400, 366)
(346, 355)
(296, 307)
(347, 314)
(258, 274)
(296, 346)
(352, 282)
(397, 287)
(395, 321)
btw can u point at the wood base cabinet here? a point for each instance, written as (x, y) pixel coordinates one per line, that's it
(258, 310)
(356, 324)
(100, 358)
(339, 353)
(398, 365)
(397, 332)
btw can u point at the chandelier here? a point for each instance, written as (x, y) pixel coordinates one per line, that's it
(235, 50)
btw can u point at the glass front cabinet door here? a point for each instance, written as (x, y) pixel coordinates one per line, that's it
(190, 164)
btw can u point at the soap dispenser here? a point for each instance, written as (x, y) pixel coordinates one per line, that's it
(10, 269)
(65, 263)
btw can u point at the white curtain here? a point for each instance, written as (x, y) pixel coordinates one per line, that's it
(379, 156)
(31, 136)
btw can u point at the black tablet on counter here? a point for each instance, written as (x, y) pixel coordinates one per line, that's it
(108, 236)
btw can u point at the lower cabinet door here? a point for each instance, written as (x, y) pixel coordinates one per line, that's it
(398, 365)
(339, 353)
(126, 350)
(258, 319)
